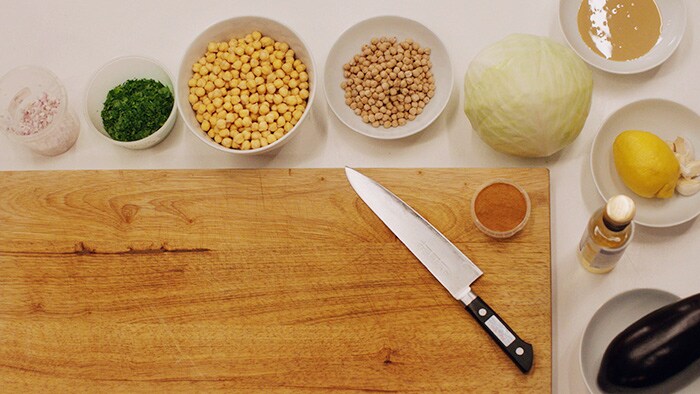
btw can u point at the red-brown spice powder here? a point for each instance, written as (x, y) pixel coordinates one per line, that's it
(500, 207)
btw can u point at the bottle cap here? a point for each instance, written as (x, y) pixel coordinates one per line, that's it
(620, 210)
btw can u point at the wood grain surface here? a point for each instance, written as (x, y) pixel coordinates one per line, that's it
(265, 280)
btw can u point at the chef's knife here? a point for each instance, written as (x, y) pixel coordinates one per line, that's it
(455, 271)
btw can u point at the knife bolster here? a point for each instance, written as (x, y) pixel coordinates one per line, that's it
(468, 297)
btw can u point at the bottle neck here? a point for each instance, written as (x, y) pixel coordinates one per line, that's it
(612, 226)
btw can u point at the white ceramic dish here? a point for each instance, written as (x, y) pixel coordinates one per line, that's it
(236, 28)
(673, 20)
(611, 319)
(666, 119)
(114, 74)
(350, 43)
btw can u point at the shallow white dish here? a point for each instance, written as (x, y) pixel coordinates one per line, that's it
(666, 119)
(114, 74)
(236, 28)
(673, 21)
(350, 43)
(611, 319)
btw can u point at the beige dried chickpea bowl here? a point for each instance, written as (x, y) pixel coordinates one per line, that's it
(246, 85)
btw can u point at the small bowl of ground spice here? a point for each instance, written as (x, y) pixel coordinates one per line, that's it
(131, 102)
(500, 208)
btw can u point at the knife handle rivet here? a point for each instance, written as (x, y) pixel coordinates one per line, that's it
(519, 351)
(482, 312)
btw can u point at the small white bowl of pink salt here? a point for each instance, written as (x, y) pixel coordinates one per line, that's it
(34, 111)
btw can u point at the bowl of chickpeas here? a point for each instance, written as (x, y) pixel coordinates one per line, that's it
(388, 77)
(245, 85)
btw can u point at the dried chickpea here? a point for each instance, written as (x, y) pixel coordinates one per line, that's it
(386, 82)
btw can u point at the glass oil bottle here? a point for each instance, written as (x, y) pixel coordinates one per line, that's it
(607, 235)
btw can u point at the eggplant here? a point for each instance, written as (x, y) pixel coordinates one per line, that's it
(654, 348)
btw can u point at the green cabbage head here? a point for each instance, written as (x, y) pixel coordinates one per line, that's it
(527, 95)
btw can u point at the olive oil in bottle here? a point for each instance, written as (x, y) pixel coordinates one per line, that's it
(607, 235)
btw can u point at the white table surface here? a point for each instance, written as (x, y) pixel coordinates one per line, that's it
(74, 38)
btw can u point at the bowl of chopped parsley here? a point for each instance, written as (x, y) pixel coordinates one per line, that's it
(131, 102)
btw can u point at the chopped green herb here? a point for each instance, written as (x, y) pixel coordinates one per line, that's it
(136, 109)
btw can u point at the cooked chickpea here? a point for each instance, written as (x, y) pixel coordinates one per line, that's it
(248, 92)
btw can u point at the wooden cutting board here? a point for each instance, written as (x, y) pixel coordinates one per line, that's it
(264, 280)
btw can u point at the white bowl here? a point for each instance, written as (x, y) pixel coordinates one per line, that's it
(611, 319)
(673, 21)
(350, 43)
(666, 119)
(236, 28)
(114, 74)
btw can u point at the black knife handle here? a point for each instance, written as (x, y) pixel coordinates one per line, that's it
(518, 350)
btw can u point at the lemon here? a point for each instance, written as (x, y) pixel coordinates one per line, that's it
(646, 164)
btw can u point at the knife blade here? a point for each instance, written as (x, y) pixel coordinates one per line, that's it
(454, 270)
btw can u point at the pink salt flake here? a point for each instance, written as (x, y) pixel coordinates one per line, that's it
(38, 115)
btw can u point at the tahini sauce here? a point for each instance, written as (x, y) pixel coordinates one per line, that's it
(619, 29)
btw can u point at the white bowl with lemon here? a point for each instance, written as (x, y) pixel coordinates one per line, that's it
(646, 165)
